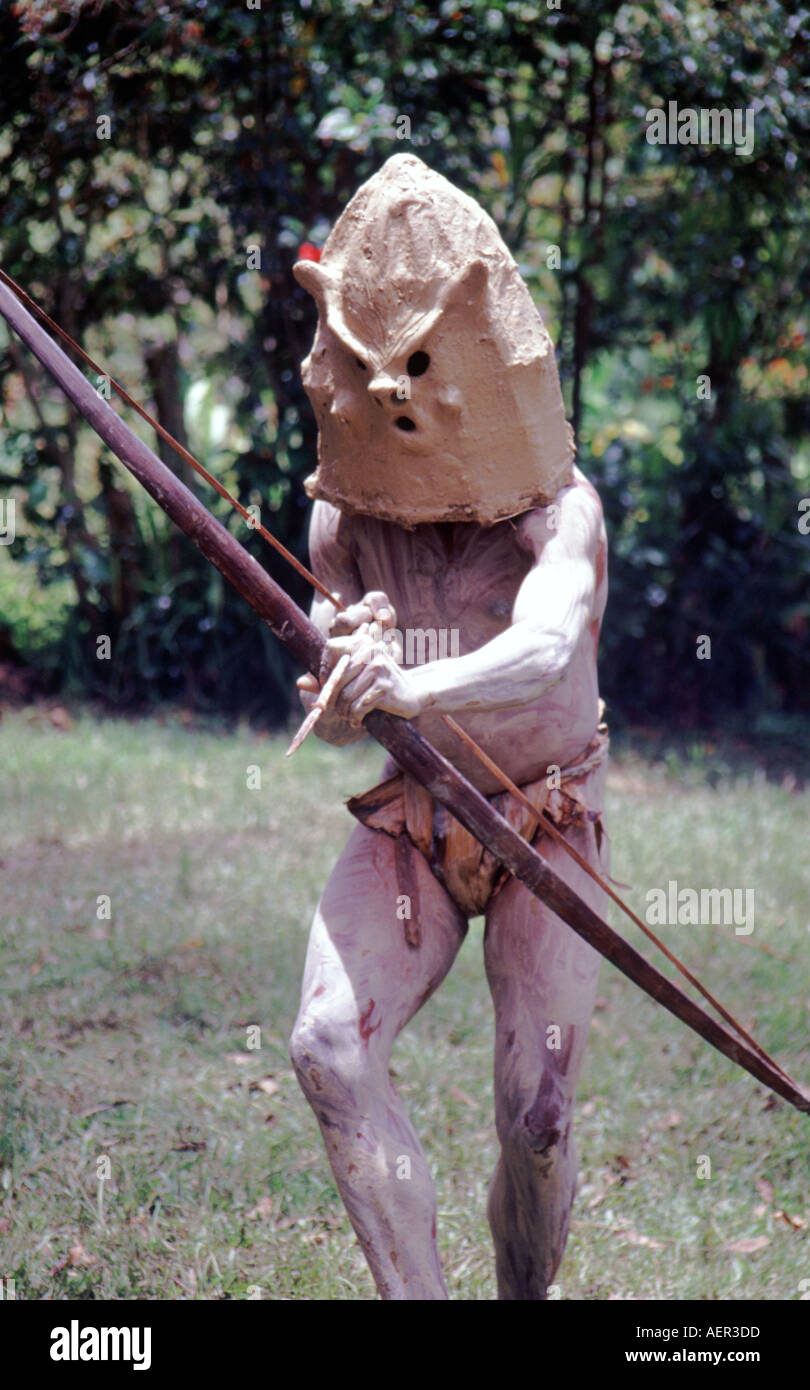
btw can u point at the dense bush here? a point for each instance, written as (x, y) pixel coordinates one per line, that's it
(235, 128)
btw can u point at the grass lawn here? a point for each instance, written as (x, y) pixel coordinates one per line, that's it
(126, 1046)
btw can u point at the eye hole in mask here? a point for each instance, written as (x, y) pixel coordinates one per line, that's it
(418, 363)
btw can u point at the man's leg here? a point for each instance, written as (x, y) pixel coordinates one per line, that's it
(362, 982)
(543, 982)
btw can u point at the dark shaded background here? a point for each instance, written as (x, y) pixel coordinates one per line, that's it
(233, 128)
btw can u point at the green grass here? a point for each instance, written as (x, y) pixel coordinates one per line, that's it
(127, 1038)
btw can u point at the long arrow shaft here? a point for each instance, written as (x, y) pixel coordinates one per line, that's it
(410, 749)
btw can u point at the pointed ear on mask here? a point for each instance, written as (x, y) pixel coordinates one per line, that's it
(313, 278)
(468, 286)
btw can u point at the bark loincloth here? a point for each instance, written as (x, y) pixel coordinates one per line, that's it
(401, 807)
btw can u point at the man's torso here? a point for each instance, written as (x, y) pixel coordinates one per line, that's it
(453, 587)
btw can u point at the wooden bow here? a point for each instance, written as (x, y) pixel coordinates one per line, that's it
(409, 748)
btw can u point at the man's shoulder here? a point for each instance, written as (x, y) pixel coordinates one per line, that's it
(574, 514)
(329, 525)
(332, 546)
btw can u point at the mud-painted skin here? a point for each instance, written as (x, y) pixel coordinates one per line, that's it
(527, 597)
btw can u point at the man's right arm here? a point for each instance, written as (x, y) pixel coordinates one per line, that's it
(332, 562)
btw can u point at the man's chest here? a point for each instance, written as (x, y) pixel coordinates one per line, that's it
(459, 577)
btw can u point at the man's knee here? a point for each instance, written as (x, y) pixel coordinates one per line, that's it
(537, 1126)
(326, 1060)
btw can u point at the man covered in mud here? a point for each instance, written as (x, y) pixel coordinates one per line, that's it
(447, 500)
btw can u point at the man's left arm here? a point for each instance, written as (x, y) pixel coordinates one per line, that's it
(553, 606)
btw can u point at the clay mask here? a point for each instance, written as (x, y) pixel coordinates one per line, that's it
(432, 376)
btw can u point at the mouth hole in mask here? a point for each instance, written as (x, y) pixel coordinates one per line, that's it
(403, 423)
(418, 363)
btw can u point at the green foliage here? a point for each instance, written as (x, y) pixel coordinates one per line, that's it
(234, 128)
(36, 617)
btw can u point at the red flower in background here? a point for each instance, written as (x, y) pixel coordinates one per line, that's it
(308, 252)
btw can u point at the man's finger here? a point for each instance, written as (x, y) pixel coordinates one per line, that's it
(373, 607)
(354, 662)
(336, 647)
(353, 643)
(381, 607)
(350, 619)
(357, 681)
